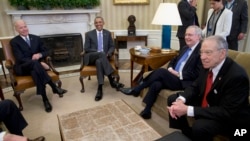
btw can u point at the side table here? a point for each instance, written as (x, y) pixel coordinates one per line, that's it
(120, 38)
(149, 62)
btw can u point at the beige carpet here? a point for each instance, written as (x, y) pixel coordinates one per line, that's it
(46, 124)
(112, 121)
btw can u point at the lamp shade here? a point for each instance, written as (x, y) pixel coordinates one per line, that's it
(167, 14)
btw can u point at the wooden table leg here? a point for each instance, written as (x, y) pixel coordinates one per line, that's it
(131, 72)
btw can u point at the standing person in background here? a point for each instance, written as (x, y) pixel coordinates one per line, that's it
(187, 10)
(219, 20)
(240, 21)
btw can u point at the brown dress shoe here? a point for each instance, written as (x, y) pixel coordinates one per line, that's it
(41, 138)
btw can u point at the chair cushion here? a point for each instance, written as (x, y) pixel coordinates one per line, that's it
(24, 82)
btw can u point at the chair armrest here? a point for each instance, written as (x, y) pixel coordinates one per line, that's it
(48, 61)
(9, 65)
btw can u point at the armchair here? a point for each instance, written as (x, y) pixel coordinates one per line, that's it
(89, 70)
(21, 83)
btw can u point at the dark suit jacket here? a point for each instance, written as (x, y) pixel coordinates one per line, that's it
(240, 18)
(91, 43)
(227, 97)
(192, 67)
(188, 17)
(23, 53)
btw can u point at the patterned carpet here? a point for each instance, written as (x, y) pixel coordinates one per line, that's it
(114, 121)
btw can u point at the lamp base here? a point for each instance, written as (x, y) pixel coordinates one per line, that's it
(166, 36)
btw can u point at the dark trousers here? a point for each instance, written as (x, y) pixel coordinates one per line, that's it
(232, 43)
(100, 60)
(38, 73)
(12, 117)
(156, 81)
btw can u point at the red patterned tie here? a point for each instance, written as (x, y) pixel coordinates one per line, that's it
(208, 87)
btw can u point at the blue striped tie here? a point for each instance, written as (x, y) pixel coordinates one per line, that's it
(100, 42)
(183, 59)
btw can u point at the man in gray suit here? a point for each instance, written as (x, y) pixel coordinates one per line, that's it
(99, 47)
(239, 22)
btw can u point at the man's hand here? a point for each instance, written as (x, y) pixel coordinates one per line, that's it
(12, 137)
(177, 109)
(241, 36)
(174, 72)
(36, 56)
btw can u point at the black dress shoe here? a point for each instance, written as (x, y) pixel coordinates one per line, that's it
(145, 115)
(129, 91)
(116, 85)
(47, 106)
(98, 95)
(59, 91)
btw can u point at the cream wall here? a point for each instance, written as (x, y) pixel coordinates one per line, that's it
(116, 17)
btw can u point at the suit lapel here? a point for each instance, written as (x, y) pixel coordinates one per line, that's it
(224, 69)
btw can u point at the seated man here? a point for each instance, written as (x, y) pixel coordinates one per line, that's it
(182, 71)
(99, 47)
(29, 50)
(14, 122)
(218, 98)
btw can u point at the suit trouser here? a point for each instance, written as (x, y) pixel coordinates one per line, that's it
(232, 43)
(12, 117)
(37, 72)
(159, 79)
(100, 60)
(182, 42)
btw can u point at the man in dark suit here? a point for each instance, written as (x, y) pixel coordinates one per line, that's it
(14, 121)
(29, 50)
(187, 10)
(218, 98)
(99, 47)
(239, 21)
(180, 73)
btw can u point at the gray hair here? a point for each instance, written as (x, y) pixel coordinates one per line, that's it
(197, 29)
(220, 41)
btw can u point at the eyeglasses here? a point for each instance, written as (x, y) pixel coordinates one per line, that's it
(209, 52)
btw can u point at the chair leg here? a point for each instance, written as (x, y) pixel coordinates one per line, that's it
(59, 83)
(17, 95)
(1, 93)
(81, 81)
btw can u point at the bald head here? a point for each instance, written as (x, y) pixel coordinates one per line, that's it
(21, 27)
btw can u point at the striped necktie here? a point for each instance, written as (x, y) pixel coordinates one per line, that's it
(100, 42)
(182, 59)
(27, 40)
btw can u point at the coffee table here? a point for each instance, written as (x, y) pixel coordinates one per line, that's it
(114, 121)
(149, 62)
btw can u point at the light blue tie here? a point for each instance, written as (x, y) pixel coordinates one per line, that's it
(27, 40)
(100, 42)
(183, 59)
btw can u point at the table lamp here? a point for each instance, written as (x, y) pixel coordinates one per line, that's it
(166, 15)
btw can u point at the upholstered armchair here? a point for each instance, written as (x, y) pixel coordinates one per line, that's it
(21, 83)
(90, 70)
